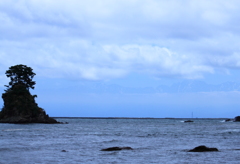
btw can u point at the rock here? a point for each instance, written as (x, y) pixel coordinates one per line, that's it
(116, 148)
(236, 119)
(188, 121)
(20, 107)
(22, 119)
(202, 148)
(227, 120)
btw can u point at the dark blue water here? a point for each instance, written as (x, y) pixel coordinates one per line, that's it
(152, 140)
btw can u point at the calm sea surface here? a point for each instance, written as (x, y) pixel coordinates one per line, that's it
(152, 140)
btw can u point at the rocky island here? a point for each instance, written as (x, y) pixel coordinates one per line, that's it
(237, 119)
(19, 104)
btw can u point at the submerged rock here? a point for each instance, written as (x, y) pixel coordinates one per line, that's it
(202, 148)
(117, 148)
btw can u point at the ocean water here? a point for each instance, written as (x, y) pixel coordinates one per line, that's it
(152, 140)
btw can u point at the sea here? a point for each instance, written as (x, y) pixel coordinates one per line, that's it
(153, 140)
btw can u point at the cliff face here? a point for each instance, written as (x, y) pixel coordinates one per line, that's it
(20, 107)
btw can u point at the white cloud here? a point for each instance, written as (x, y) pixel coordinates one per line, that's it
(229, 61)
(113, 38)
(79, 59)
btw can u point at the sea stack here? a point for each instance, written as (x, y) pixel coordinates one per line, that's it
(19, 104)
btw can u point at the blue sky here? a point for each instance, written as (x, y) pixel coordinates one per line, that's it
(114, 58)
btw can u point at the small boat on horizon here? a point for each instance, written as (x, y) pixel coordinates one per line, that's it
(189, 120)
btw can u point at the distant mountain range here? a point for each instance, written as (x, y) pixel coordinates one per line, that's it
(182, 87)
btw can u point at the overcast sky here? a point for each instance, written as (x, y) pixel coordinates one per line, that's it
(128, 43)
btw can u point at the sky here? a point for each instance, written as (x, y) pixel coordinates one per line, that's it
(112, 58)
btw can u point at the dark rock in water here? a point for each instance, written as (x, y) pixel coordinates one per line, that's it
(112, 149)
(117, 148)
(202, 149)
(188, 121)
(227, 120)
(236, 119)
(63, 151)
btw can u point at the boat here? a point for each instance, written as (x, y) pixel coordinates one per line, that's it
(189, 120)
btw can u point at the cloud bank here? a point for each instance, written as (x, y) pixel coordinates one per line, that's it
(110, 39)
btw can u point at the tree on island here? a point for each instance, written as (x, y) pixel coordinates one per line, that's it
(19, 104)
(21, 74)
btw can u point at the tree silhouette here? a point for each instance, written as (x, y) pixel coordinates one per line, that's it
(21, 74)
